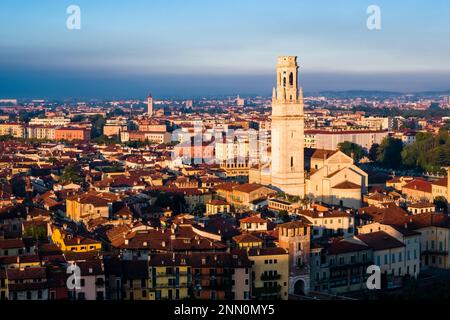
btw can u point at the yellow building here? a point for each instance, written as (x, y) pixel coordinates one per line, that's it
(169, 276)
(244, 195)
(247, 241)
(86, 207)
(68, 242)
(17, 130)
(217, 206)
(270, 271)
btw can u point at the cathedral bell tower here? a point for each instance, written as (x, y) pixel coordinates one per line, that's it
(150, 105)
(287, 167)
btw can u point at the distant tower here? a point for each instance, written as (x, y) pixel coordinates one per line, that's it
(150, 105)
(287, 167)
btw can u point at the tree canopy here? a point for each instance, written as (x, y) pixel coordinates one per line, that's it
(71, 174)
(352, 150)
(389, 153)
(428, 153)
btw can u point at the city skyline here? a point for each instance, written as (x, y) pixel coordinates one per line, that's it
(180, 49)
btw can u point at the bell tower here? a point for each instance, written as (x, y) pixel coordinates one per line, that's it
(288, 130)
(150, 105)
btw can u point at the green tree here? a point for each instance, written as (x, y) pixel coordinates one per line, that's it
(98, 122)
(441, 203)
(71, 174)
(373, 152)
(35, 232)
(284, 215)
(6, 137)
(106, 140)
(389, 153)
(352, 150)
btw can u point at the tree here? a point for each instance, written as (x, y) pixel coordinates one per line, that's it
(6, 137)
(441, 203)
(35, 232)
(199, 209)
(352, 150)
(410, 156)
(98, 122)
(71, 174)
(284, 215)
(389, 153)
(428, 153)
(373, 152)
(106, 140)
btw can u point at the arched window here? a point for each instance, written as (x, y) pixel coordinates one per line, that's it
(284, 81)
(291, 79)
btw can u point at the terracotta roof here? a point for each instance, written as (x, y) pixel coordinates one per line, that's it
(443, 182)
(380, 240)
(319, 153)
(246, 238)
(253, 219)
(346, 185)
(419, 184)
(266, 251)
(340, 247)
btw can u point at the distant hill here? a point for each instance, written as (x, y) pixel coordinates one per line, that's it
(360, 94)
(377, 94)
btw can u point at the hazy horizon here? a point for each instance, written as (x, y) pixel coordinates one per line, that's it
(186, 49)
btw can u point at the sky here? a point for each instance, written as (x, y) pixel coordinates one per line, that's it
(191, 48)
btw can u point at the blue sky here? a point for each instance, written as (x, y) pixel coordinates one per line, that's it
(198, 47)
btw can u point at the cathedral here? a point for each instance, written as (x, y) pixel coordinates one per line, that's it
(333, 179)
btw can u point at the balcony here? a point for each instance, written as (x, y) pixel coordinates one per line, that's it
(173, 285)
(270, 277)
(266, 291)
(165, 274)
(439, 252)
